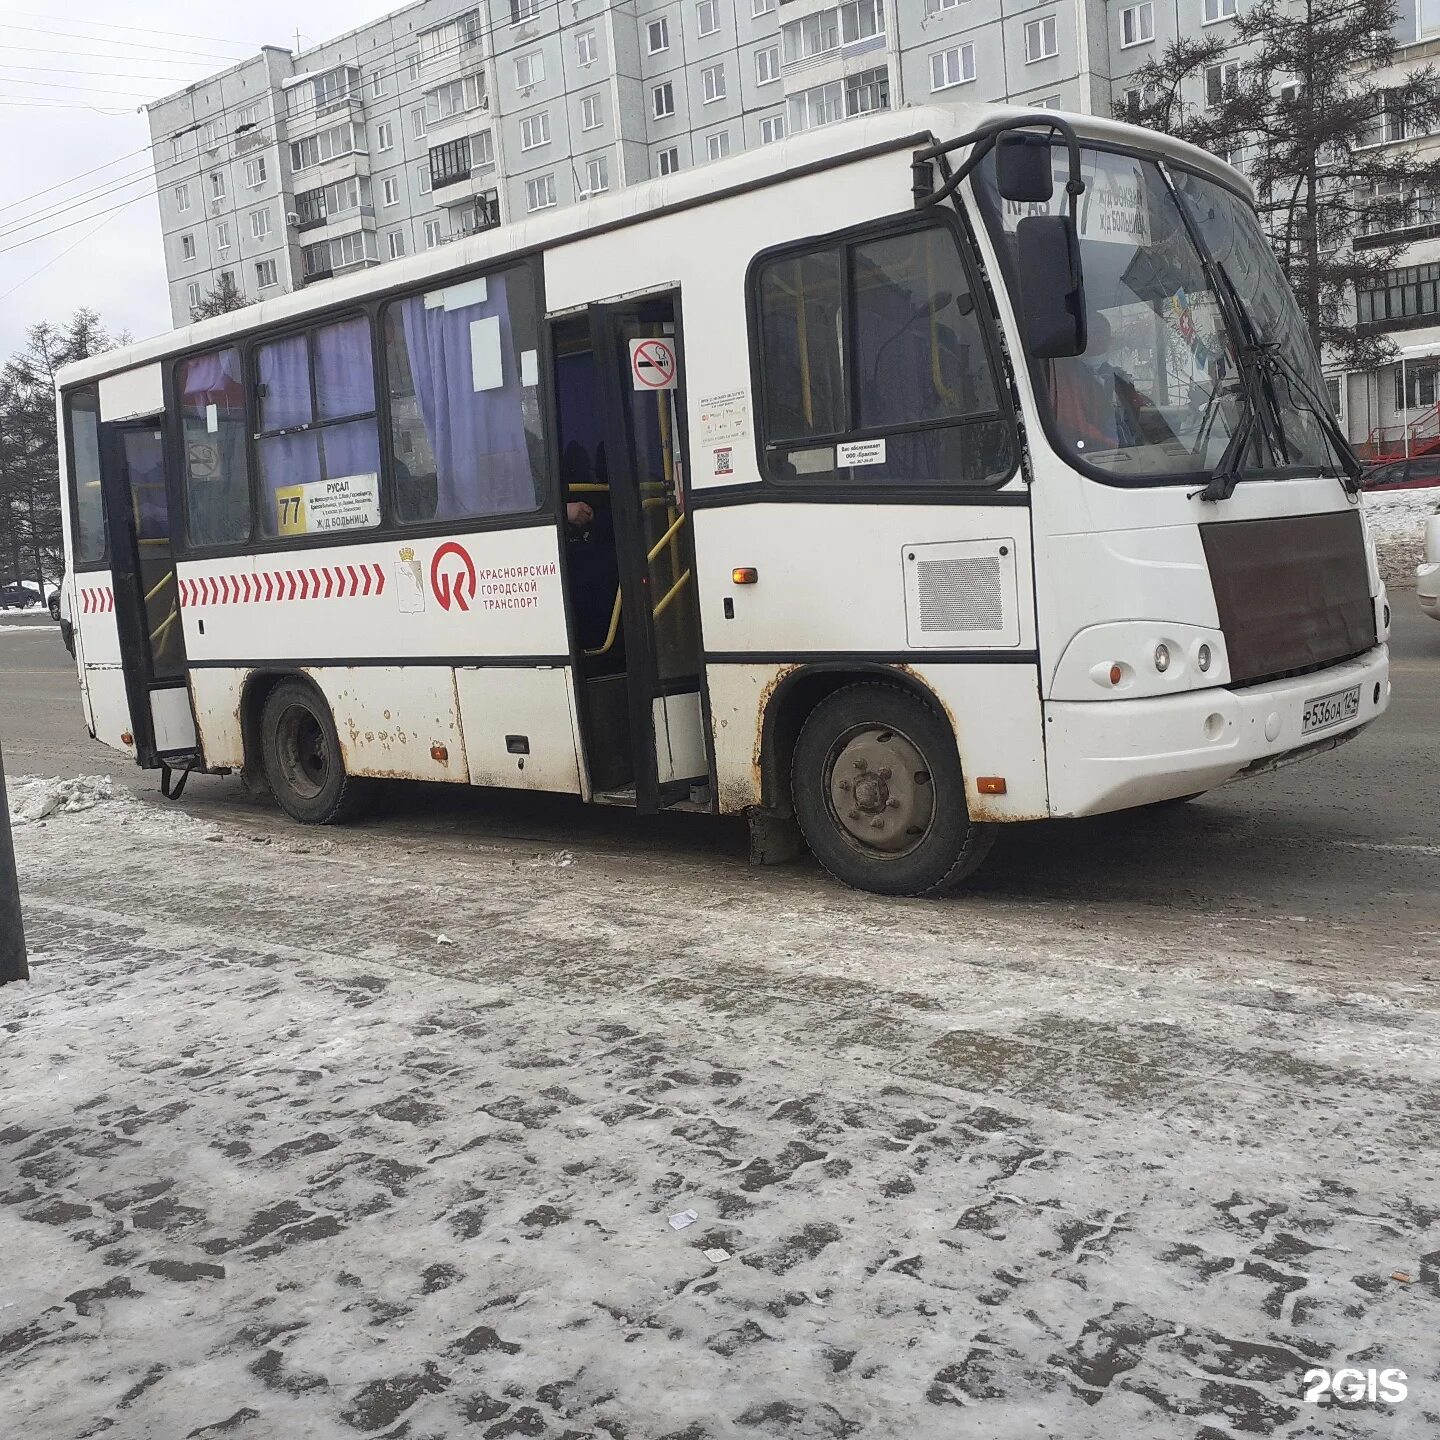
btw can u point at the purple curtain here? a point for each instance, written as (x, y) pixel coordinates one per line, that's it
(285, 382)
(212, 379)
(344, 379)
(482, 465)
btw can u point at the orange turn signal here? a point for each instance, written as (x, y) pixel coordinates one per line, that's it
(126, 738)
(744, 575)
(1116, 674)
(990, 784)
(440, 753)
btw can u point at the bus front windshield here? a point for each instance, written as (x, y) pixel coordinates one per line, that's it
(1160, 391)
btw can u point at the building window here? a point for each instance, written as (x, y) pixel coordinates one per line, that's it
(955, 66)
(442, 42)
(1137, 24)
(446, 101)
(890, 309)
(210, 398)
(535, 131)
(417, 123)
(767, 65)
(1219, 10)
(222, 235)
(266, 274)
(1401, 294)
(422, 178)
(390, 191)
(182, 197)
(412, 68)
(377, 84)
(540, 193)
(450, 163)
(712, 83)
(933, 7)
(523, 10)
(772, 128)
(248, 116)
(668, 161)
(662, 102)
(433, 234)
(586, 51)
(590, 113)
(192, 293)
(529, 70)
(207, 135)
(707, 17)
(395, 242)
(837, 100)
(1417, 389)
(717, 146)
(317, 417)
(326, 145)
(217, 185)
(187, 247)
(867, 91)
(1221, 81)
(385, 136)
(761, 7)
(177, 148)
(657, 35)
(255, 173)
(259, 224)
(597, 174)
(1040, 40)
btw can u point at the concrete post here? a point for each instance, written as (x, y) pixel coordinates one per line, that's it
(13, 964)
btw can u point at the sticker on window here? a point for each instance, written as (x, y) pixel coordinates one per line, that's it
(346, 502)
(860, 452)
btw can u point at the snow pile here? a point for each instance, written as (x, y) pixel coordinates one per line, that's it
(1397, 521)
(33, 798)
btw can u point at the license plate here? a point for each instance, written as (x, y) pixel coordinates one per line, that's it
(1327, 710)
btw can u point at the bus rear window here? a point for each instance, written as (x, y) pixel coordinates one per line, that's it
(211, 390)
(875, 368)
(89, 517)
(463, 371)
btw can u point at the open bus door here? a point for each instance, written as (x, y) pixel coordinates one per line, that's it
(146, 598)
(644, 716)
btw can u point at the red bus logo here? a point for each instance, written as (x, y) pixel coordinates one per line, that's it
(454, 582)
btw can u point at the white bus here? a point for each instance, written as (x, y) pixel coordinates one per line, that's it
(896, 484)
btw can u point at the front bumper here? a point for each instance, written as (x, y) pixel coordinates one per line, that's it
(1427, 588)
(1104, 755)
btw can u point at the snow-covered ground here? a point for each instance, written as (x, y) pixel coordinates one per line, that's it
(1397, 521)
(278, 1161)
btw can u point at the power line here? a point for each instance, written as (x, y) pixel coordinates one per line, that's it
(63, 253)
(137, 29)
(40, 217)
(61, 184)
(106, 40)
(19, 244)
(60, 85)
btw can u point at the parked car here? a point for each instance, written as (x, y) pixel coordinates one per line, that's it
(19, 597)
(1412, 474)
(52, 602)
(1427, 572)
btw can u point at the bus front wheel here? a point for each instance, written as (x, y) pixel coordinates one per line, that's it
(303, 763)
(879, 794)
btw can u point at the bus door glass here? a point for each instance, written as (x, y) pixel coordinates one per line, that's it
(639, 394)
(146, 597)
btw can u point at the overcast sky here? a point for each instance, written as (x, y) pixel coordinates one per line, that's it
(72, 77)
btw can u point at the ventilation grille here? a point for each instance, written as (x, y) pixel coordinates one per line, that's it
(960, 593)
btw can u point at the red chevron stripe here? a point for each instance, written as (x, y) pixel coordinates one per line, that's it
(290, 578)
(365, 571)
(184, 587)
(379, 580)
(354, 580)
(314, 583)
(109, 598)
(329, 581)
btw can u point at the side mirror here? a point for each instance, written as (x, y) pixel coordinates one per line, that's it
(1024, 170)
(1052, 289)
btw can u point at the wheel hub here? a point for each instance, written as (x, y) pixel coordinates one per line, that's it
(880, 790)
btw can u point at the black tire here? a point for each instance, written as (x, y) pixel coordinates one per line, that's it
(909, 831)
(303, 762)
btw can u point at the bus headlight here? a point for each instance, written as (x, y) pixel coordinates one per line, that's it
(1162, 657)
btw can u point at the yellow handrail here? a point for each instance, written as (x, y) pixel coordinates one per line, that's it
(160, 584)
(614, 627)
(670, 594)
(163, 626)
(665, 539)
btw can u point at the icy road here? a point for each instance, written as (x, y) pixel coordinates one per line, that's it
(359, 1133)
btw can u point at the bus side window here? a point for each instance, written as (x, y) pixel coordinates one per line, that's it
(211, 391)
(89, 517)
(879, 340)
(462, 368)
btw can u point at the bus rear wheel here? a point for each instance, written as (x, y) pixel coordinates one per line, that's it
(879, 794)
(303, 762)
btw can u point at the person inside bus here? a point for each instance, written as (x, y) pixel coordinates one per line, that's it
(1096, 406)
(590, 547)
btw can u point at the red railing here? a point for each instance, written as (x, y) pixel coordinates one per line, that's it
(1421, 436)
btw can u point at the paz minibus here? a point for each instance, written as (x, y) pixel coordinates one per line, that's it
(892, 481)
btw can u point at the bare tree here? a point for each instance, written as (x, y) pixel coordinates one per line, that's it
(1296, 91)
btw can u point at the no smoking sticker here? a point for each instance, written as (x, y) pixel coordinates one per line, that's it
(652, 364)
